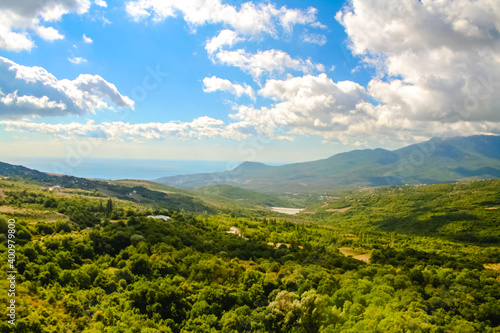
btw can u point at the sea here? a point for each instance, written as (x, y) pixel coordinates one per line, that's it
(113, 169)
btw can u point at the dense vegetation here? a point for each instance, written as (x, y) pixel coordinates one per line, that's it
(467, 212)
(95, 263)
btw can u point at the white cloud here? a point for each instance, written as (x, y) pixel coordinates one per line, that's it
(25, 102)
(306, 105)
(101, 3)
(224, 38)
(47, 96)
(18, 17)
(48, 33)
(436, 60)
(87, 40)
(212, 84)
(318, 39)
(338, 111)
(272, 62)
(14, 41)
(202, 127)
(77, 60)
(249, 19)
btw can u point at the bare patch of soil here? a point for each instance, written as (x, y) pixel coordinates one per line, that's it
(339, 210)
(495, 267)
(356, 254)
(12, 210)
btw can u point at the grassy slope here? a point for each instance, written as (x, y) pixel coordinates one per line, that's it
(462, 211)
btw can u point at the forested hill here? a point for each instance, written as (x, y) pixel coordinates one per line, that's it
(435, 161)
(465, 212)
(168, 198)
(91, 265)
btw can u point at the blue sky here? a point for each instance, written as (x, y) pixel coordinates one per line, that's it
(276, 81)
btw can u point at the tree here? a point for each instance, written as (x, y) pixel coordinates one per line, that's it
(312, 311)
(109, 207)
(141, 265)
(286, 307)
(3, 224)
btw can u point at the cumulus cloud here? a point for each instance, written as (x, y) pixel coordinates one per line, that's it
(32, 103)
(33, 91)
(306, 105)
(87, 40)
(101, 3)
(436, 60)
(212, 84)
(48, 33)
(202, 127)
(270, 62)
(224, 38)
(17, 18)
(14, 41)
(339, 111)
(249, 19)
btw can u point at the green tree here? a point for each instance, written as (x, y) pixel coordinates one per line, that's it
(3, 224)
(109, 207)
(286, 307)
(141, 265)
(312, 311)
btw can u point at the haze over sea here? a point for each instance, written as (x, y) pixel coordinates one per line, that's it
(112, 169)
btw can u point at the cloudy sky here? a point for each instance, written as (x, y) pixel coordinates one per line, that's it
(276, 81)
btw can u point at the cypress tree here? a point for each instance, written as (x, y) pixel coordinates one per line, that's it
(109, 207)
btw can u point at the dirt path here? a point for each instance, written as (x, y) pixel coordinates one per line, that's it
(2, 195)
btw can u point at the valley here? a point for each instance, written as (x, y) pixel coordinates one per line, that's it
(228, 259)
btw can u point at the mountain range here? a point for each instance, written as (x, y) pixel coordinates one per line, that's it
(439, 160)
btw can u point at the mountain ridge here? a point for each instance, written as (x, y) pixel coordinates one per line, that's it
(437, 160)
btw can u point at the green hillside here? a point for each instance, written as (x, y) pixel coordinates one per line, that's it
(432, 162)
(468, 212)
(135, 193)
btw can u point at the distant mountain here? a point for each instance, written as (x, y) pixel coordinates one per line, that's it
(435, 161)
